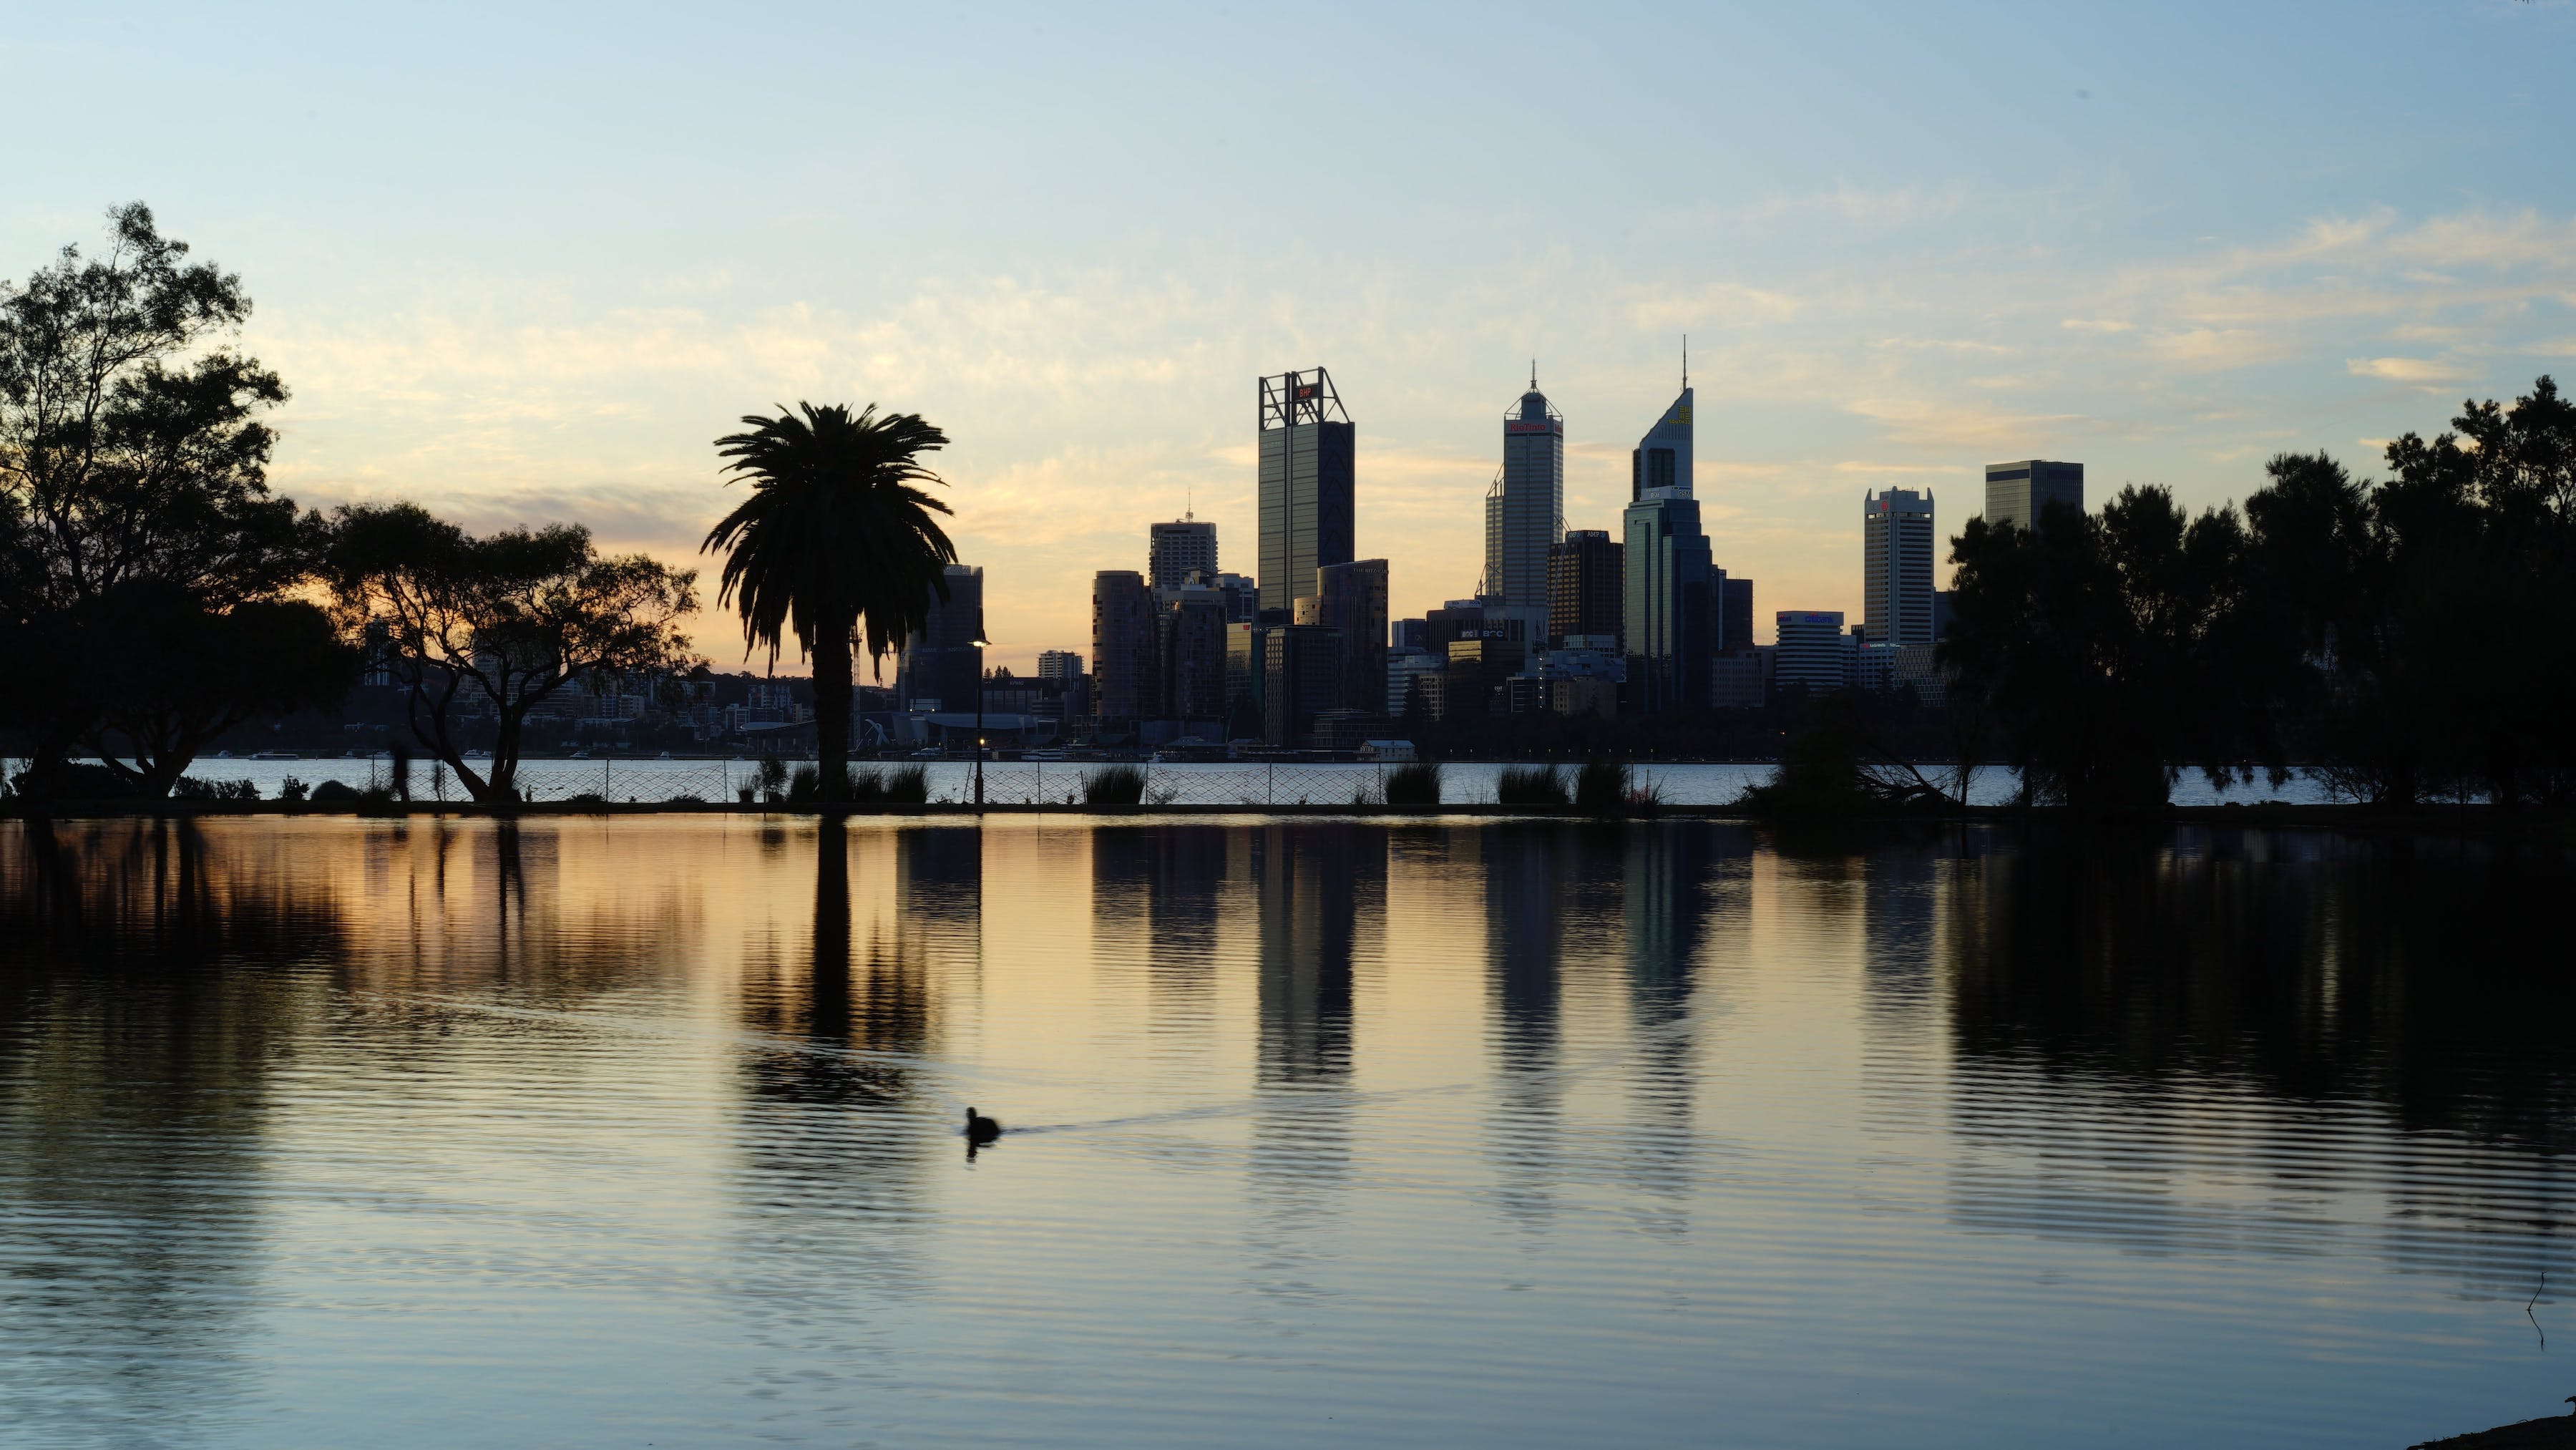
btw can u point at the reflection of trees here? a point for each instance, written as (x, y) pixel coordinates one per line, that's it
(135, 1054)
(838, 1131)
(2133, 1020)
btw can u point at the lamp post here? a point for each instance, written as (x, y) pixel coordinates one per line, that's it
(981, 644)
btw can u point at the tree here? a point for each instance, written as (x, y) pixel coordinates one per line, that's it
(500, 623)
(131, 456)
(2113, 649)
(2476, 536)
(836, 545)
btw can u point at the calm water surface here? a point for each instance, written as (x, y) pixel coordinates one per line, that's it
(600, 1132)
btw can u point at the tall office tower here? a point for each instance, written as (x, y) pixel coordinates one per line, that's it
(1896, 566)
(2017, 493)
(939, 666)
(1735, 615)
(1242, 601)
(1173, 549)
(1352, 599)
(1584, 585)
(1308, 454)
(1662, 459)
(1525, 509)
(1193, 642)
(1670, 607)
(1059, 665)
(1125, 653)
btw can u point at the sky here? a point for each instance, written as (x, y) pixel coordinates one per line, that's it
(524, 264)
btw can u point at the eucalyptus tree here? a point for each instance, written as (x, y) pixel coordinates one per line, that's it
(133, 480)
(499, 624)
(836, 546)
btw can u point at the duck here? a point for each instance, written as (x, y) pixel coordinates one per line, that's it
(981, 1129)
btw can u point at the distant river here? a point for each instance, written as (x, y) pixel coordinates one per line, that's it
(643, 1130)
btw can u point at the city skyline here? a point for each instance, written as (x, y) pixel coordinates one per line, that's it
(1888, 291)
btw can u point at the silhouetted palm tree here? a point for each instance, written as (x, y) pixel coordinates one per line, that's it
(835, 536)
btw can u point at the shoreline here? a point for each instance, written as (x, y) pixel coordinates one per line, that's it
(2449, 819)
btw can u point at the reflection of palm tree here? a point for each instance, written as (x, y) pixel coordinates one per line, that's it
(835, 536)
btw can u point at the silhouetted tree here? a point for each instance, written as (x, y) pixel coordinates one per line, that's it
(502, 622)
(836, 545)
(132, 459)
(2113, 650)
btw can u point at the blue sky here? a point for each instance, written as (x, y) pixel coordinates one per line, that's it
(524, 264)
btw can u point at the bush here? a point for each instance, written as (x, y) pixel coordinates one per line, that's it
(1417, 784)
(291, 790)
(748, 794)
(333, 790)
(189, 788)
(1531, 785)
(907, 785)
(585, 798)
(1602, 786)
(773, 779)
(1116, 785)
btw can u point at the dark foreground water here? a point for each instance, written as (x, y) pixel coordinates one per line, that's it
(614, 1132)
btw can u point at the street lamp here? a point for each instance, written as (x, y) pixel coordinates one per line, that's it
(981, 644)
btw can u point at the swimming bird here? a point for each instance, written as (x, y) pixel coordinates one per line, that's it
(981, 1129)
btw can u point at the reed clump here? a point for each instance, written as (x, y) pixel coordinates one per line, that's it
(1532, 785)
(1417, 784)
(1114, 785)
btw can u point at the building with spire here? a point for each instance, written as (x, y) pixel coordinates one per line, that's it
(1525, 509)
(1672, 605)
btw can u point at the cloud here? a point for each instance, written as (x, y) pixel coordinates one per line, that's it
(2215, 349)
(1963, 427)
(2102, 325)
(2417, 372)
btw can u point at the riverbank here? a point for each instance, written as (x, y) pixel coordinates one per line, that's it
(2554, 1433)
(2448, 818)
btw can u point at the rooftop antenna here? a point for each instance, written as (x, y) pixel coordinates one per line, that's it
(1685, 362)
(1533, 375)
(1189, 503)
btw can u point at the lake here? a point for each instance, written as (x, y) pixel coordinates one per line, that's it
(644, 1130)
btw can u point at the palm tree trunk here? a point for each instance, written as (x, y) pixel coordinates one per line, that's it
(832, 711)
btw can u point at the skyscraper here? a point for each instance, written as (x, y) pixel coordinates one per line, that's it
(2018, 493)
(1584, 586)
(1125, 648)
(940, 666)
(1175, 548)
(1353, 600)
(1192, 638)
(1662, 459)
(1525, 509)
(1670, 610)
(1896, 566)
(1308, 457)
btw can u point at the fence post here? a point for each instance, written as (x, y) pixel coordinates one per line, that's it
(603, 779)
(1270, 792)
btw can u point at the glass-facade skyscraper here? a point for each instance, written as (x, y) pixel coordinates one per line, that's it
(1525, 511)
(1308, 459)
(2018, 493)
(1671, 596)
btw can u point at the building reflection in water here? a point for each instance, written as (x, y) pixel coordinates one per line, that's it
(1319, 893)
(1528, 870)
(135, 1103)
(1669, 870)
(2185, 1044)
(1155, 897)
